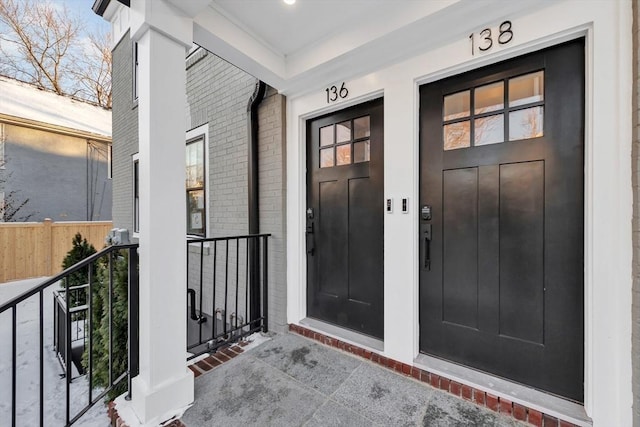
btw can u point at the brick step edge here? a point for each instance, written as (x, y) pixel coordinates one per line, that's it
(479, 397)
(199, 368)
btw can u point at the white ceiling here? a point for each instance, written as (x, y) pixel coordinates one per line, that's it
(300, 47)
(288, 29)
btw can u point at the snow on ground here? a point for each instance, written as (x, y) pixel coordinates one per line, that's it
(28, 365)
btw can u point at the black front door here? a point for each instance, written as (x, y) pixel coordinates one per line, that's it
(345, 218)
(501, 258)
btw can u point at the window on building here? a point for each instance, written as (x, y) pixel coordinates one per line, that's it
(503, 111)
(136, 195)
(109, 161)
(135, 71)
(195, 185)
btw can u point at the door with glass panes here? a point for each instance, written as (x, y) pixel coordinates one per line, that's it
(501, 219)
(344, 217)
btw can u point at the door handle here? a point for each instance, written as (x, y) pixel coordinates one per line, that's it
(311, 240)
(427, 246)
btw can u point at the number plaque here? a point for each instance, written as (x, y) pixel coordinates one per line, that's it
(333, 93)
(485, 39)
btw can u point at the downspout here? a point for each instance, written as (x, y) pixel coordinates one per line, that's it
(252, 156)
(253, 205)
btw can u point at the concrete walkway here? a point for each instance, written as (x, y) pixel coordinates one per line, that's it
(293, 381)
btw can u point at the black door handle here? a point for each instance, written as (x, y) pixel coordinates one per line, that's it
(311, 240)
(427, 246)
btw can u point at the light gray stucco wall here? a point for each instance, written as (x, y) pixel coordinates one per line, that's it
(64, 177)
(635, 307)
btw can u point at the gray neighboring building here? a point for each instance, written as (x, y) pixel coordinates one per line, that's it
(216, 143)
(55, 152)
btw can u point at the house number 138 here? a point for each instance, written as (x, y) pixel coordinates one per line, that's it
(333, 93)
(485, 38)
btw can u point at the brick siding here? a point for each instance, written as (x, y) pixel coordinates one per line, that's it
(125, 134)
(272, 194)
(217, 96)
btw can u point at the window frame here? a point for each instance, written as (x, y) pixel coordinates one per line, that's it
(135, 194)
(110, 161)
(134, 71)
(199, 188)
(504, 111)
(199, 133)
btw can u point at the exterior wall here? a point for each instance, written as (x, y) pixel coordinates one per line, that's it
(635, 159)
(64, 177)
(608, 245)
(272, 194)
(217, 94)
(125, 134)
(217, 98)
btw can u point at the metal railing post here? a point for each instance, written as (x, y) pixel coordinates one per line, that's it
(133, 308)
(265, 285)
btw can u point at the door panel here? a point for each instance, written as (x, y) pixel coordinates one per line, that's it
(362, 197)
(460, 246)
(332, 227)
(502, 168)
(521, 250)
(345, 218)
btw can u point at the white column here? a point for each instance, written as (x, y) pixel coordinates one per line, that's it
(164, 385)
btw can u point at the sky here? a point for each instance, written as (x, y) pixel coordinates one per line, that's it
(82, 8)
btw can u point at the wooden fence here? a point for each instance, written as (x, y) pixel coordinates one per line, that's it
(34, 249)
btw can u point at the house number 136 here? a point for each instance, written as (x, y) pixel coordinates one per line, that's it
(486, 38)
(333, 93)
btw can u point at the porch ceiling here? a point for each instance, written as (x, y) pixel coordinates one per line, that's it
(313, 43)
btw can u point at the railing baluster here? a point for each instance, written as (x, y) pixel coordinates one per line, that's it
(265, 285)
(67, 351)
(246, 281)
(201, 273)
(213, 298)
(89, 323)
(132, 311)
(110, 318)
(226, 287)
(237, 280)
(41, 351)
(14, 340)
(187, 290)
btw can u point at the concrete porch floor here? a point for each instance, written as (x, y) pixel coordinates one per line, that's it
(293, 381)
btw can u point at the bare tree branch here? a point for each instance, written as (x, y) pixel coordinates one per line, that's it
(12, 206)
(44, 45)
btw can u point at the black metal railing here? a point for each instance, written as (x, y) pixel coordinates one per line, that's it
(79, 310)
(226, 273)
(99, 269)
